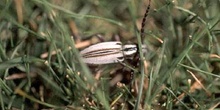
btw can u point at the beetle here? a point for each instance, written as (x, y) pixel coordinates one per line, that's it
(108, 52)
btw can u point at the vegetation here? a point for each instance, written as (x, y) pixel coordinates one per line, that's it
(40, 65)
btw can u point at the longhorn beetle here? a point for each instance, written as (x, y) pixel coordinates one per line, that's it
(114, 51)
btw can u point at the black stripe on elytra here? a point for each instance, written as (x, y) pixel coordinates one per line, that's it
(101, 52)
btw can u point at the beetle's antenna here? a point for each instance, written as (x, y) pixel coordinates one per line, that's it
(144, 19)
(142, 35)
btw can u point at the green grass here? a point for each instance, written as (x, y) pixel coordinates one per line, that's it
(181, 69)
